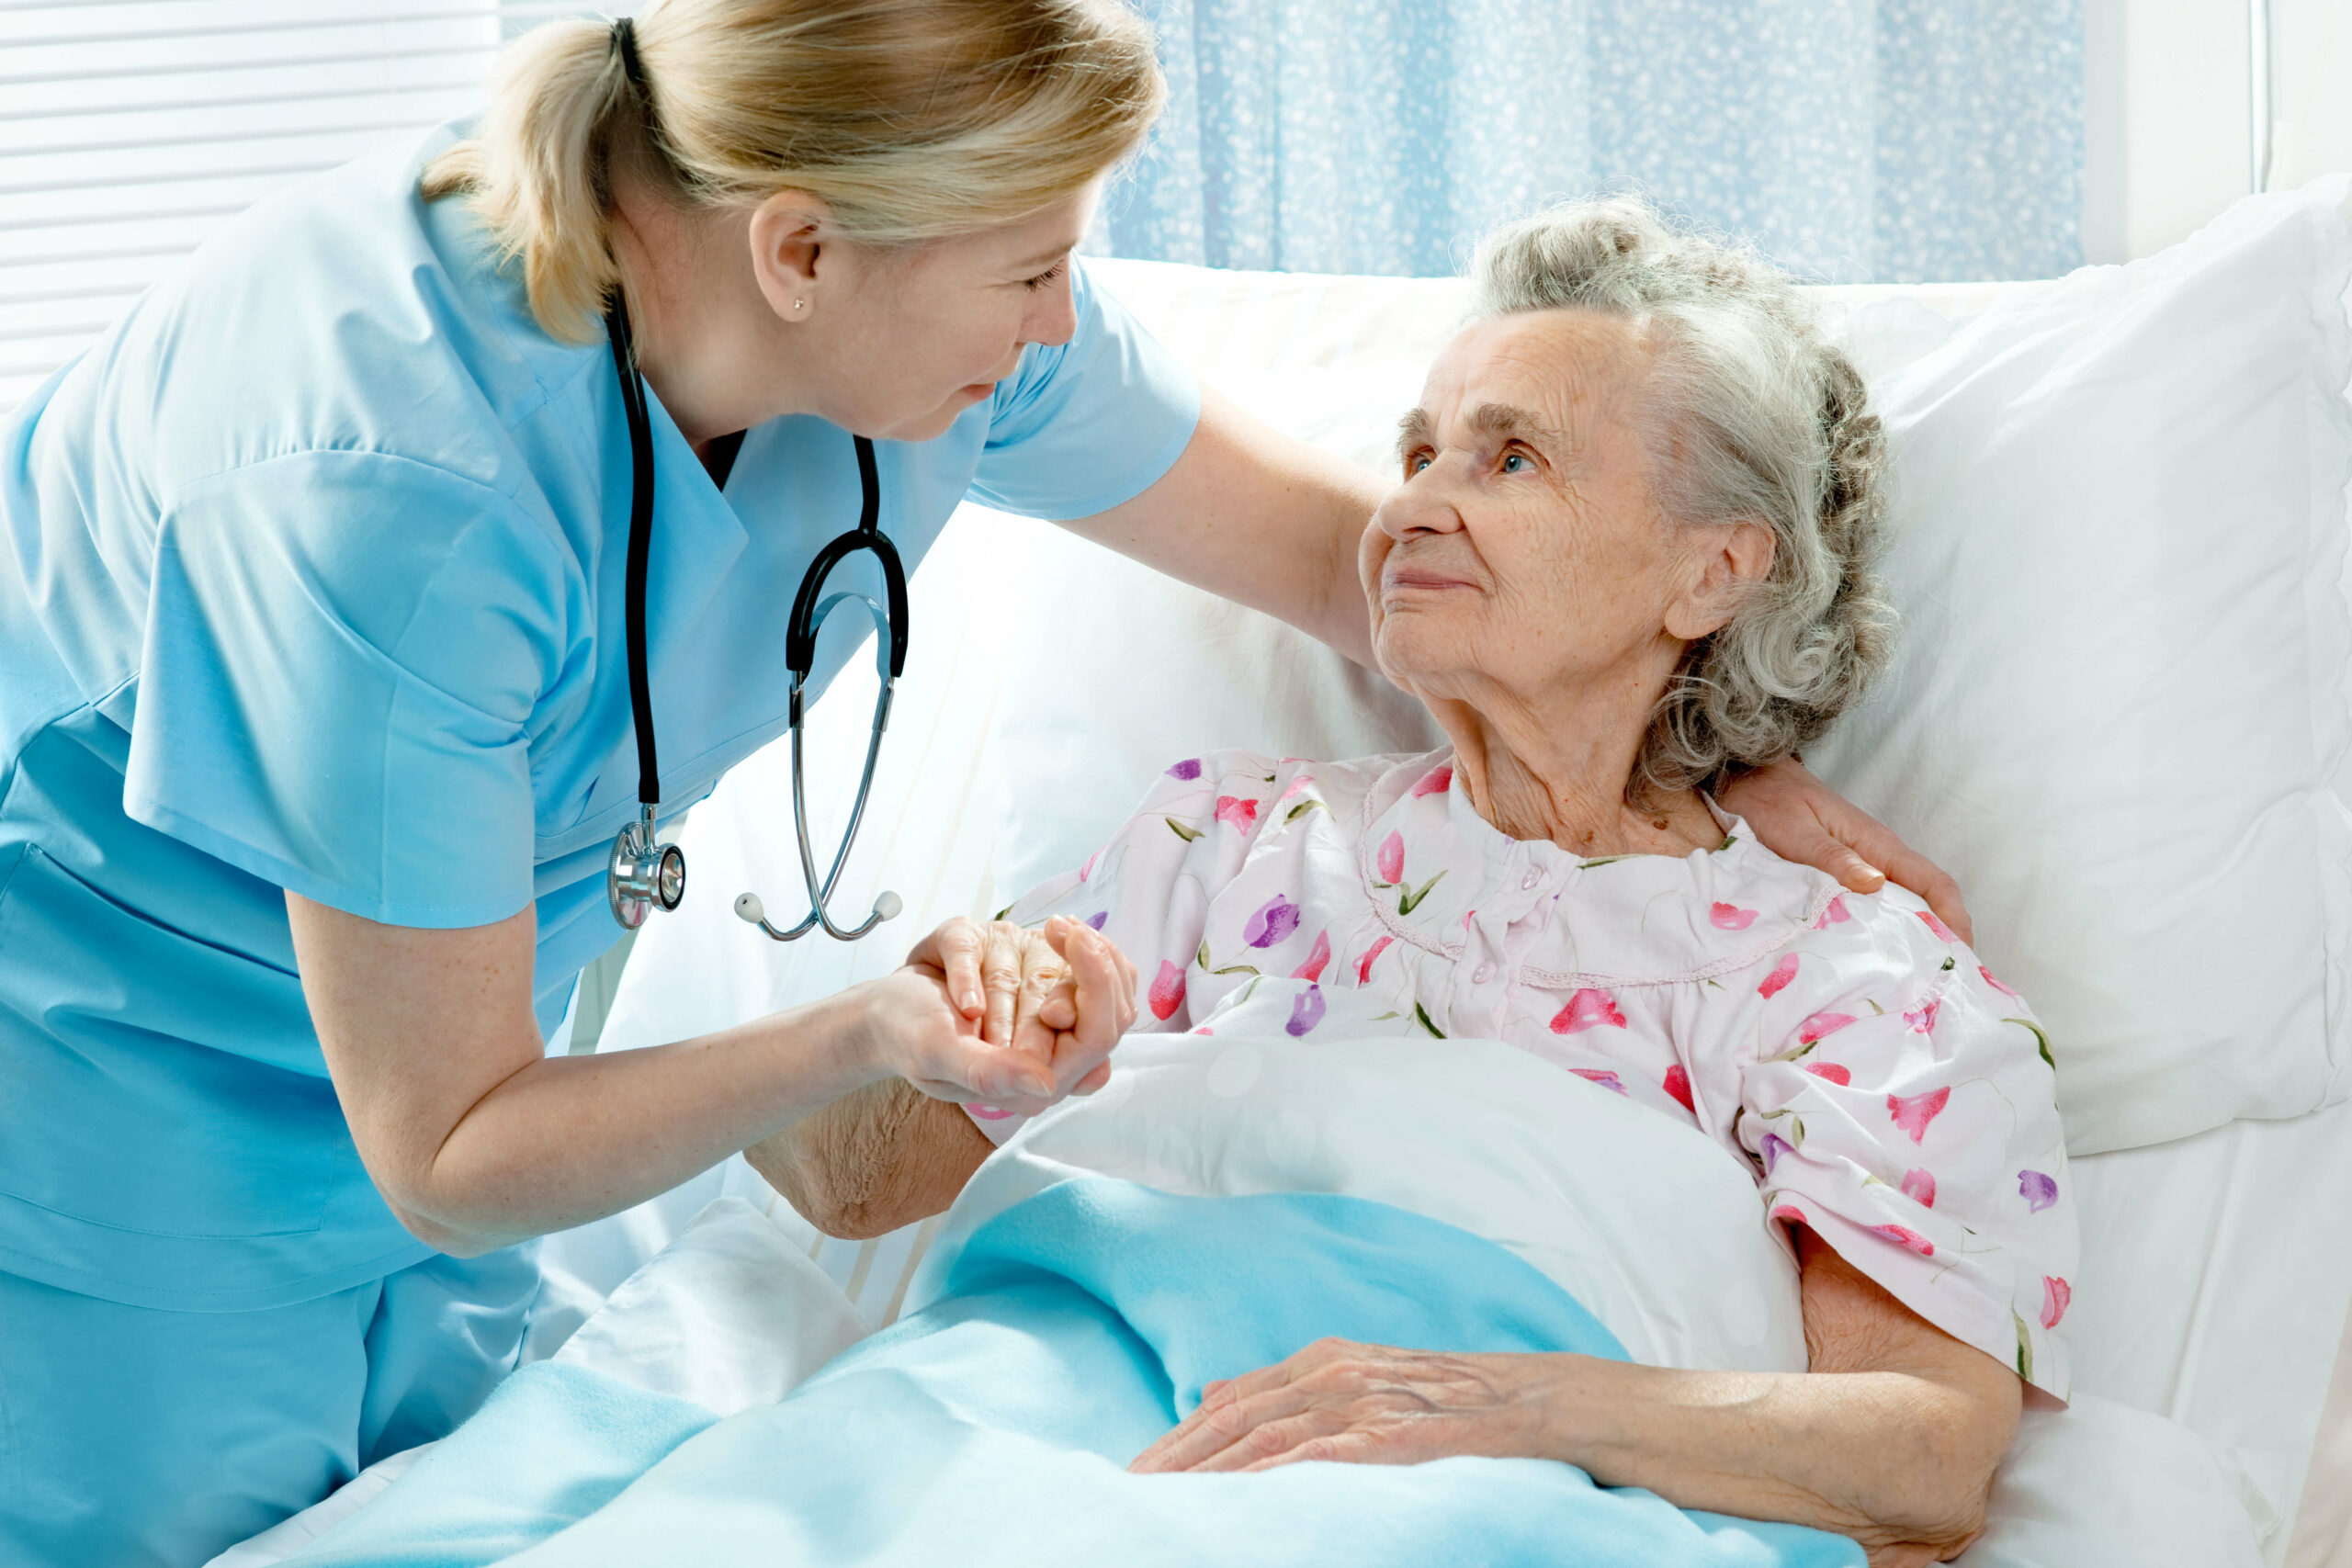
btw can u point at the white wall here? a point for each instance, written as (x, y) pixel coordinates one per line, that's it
(2165, 113)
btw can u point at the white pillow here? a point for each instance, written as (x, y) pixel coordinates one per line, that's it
(2118, 710)
(1651, 1226)
(2119, 714)
(2102, 1485)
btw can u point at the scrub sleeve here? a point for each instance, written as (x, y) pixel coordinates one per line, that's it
(310, 580)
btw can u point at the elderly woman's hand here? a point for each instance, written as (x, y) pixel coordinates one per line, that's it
(1799, 819)
(1361, 1404)
(1029, 1016)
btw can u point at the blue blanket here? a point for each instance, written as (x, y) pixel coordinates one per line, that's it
(996, 1425)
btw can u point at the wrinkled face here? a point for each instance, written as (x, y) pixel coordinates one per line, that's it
(906, 340)
(1523, 547)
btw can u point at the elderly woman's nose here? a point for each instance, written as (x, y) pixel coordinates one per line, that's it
(1420, 505)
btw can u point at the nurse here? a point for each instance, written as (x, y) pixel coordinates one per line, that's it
(315, 723)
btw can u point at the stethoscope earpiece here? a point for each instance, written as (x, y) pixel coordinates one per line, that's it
(644, 874)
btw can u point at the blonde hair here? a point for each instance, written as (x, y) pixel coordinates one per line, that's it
(912, 119)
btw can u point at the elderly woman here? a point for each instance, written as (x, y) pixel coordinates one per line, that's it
(1630, 554)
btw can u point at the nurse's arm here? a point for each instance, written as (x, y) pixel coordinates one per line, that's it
(1259, 518)
(477, 1139)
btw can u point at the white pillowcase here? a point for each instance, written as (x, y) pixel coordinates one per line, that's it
(2119, 712)
(1651, 1226)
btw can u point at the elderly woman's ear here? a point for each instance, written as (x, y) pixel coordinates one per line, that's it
(1726, 561)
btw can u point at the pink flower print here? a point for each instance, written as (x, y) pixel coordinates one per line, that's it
(1305, 1011)
(1606, 1079)
(1788, 1213)
(1240, 810)
(1273, 923)
(1678, 1084)
(1905, 1236)
(1821, 1025)
(2057, 1296)
(1996, 985)
(1912, 1113)
(1087, 869)
(1435, 782)
(2037, 1191)
(1363, 964)
(1316, 957)
(1389, 863)
(988, 1112)
(1731, 917)
(1167, 993)
(1922, 1018)
(1834, 914)
(1831, 1071)
(1944, 931)
(1299, 784)
(1920, 1187)
(1189, 768)
(1775, 1146)
(1589, 1008)
(1778, 980)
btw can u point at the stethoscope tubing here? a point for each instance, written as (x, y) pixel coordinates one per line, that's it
(644, 874)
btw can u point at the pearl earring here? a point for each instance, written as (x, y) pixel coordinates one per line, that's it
(798, 304)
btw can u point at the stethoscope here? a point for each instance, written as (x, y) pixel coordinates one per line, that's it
(644, 874)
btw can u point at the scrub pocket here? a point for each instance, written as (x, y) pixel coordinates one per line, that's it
(124, 1102)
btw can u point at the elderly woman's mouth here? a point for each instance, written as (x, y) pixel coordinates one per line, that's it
(1421, 579)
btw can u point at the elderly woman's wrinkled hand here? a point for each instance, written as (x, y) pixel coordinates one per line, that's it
(1023, 1018)
(1359, 1404)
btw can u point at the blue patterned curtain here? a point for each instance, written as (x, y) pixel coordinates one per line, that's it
(1857, 141)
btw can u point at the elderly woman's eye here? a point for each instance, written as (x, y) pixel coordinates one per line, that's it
(1516, 463)
(1416, 463)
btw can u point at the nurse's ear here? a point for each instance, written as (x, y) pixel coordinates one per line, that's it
(795, 249)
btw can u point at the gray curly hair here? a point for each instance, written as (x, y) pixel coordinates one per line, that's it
(1751, 416)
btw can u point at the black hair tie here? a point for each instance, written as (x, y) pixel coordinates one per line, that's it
(624, 44)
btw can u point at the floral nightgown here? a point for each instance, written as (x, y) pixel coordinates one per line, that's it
(1883, 1087)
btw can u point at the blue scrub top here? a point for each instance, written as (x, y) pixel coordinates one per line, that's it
(313, 579)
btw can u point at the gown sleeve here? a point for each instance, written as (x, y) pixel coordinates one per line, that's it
(1903, 1107)
(344, 654)
(1149, 889)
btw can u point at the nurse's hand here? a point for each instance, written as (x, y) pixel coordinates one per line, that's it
(1004, 1016)
(1799, 819)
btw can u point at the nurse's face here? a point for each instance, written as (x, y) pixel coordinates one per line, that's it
(900, 342)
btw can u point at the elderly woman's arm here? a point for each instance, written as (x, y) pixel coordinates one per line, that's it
(872, 1161)
(1891, 1439)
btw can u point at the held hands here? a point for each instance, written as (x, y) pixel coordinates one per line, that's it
(1799, 819)
(1002, 1015)
(1361, 1404)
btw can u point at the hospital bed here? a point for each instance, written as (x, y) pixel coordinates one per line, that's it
(2121, 716)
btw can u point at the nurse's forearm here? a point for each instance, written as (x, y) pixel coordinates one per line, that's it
(1260, 518)
(570, 1139)
(477, 1139)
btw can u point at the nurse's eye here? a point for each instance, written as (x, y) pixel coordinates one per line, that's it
(1043, 278)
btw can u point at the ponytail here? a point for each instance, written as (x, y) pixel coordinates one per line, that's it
(912, 119)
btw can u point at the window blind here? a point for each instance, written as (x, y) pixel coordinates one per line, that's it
(129, 130)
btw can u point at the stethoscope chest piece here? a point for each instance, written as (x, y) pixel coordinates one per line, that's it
(644, 874)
